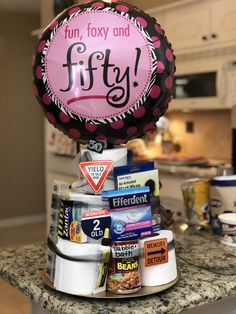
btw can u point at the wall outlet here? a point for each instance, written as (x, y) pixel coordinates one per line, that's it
(189, 127)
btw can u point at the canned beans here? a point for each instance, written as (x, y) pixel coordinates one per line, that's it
(124, 275)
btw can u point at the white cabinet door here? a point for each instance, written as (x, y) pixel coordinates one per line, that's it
(223, 21)
(200, 25)
(187, 28)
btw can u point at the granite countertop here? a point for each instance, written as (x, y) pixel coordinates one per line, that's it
(207, 273)
(202, 168)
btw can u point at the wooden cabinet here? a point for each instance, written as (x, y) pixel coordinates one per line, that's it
(187, 29)
(199, 25)
(223, 21)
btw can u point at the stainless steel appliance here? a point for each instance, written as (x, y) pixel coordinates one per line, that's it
(205, 84)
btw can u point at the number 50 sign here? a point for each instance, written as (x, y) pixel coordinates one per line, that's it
(95, 223)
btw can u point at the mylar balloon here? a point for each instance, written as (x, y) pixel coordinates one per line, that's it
(104, 71)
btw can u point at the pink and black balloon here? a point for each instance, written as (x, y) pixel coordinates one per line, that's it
(104, 71)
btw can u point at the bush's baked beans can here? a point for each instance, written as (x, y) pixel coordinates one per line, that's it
(124, 275)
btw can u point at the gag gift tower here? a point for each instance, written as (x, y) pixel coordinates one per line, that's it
(103, 74)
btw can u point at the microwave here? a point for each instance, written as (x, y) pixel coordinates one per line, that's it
(205, 84)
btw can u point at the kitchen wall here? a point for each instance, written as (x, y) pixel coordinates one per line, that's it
(21, 120)
(211, 136)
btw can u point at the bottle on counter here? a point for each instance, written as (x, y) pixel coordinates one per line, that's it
(103, 263)
(167, 142)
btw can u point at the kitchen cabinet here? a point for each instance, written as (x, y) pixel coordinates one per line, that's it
(185, 28)
(223, 17)
(199, 25)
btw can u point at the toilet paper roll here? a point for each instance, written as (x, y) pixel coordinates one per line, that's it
(151, 253)
(83, 251)
(76, 277)
(117, 155)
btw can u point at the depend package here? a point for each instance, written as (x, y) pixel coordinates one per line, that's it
(70, 215)
(137, 175)
(130, 211)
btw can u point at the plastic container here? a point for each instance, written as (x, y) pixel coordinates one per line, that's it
(228, 227)
(222, 199)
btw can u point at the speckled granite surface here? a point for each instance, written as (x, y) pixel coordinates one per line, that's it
(23, 268)
(194, 248)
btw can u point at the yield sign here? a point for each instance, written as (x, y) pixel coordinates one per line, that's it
(96, 172)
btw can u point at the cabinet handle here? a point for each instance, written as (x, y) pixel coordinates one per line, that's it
(214, 35)
(204, 38)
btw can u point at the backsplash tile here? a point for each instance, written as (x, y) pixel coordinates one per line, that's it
(211, 136)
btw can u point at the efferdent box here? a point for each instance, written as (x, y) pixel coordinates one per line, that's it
(130, 211)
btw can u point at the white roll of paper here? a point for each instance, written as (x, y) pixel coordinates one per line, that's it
(117, 155)
(89, 202)
(158, 260)
(76, 277)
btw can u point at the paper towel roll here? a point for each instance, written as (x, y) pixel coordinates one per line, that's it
(161, 274)
(117, 155)
(76, 277)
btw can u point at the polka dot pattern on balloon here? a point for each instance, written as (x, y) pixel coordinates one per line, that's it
(53, 25)
(101, 138)
(41, 46)
(156, 112)
(122, 8)
(141, 21)
(148, 127)
(132, 130)
(117, 125)
(168, 82)
(155, 92)
(160, 67)
(74, 10)
(139, 113)
(119, 141)
(51, 117)
(39, 72)
(46, 99)
(156, 42)
(64, 117)
(74, 132)
(90, 127)
(98, 5)
(169, 55)
(159, 29)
